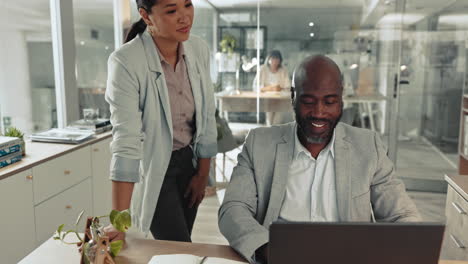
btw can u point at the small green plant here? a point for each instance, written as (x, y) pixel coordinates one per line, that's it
(121, 220)
(14, 132)
(228, 44)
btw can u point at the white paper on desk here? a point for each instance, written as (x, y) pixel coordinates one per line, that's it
(189, 259)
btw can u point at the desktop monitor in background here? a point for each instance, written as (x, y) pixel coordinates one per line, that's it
(355, 243)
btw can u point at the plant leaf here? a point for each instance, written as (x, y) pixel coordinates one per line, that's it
(79, 218)
(59, 229)
(123, 221)
(85, 256)
(115, 247)
(112, 216)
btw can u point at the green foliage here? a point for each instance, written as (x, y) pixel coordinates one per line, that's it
(115, 247)
(14, 132)
(121, 220)
(228, 43)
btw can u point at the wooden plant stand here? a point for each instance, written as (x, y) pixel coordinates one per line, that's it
(102, 255)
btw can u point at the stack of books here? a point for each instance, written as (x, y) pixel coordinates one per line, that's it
(10, 150)
(96, 126)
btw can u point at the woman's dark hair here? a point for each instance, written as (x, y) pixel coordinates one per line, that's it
(276, 54)
(140, 26)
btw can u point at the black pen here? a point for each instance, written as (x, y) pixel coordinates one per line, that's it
(203, 260)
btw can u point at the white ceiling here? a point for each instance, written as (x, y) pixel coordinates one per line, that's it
(226, 4)
(34, 15)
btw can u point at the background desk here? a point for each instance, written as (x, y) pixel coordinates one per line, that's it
(281, 102)
(139, 251)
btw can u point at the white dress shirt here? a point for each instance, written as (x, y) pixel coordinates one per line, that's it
(311, 189)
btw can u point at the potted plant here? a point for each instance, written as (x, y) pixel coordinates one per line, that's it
(228, 59)
(228, 44)
(95, 246)
(14, 132)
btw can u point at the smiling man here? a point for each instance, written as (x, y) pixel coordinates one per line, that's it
(315, 169)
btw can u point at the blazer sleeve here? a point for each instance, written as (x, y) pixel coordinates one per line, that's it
(236, 217)
(389, 199)
(207, 143)
(122, 94)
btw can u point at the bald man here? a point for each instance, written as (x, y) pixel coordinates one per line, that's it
(315, 169)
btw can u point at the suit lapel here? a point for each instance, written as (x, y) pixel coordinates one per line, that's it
(343, 179)
(284, 153)
(194, 77)
(154, 65)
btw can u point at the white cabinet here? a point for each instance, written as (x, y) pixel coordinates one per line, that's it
(36, 201)
(60, 173)
(64, 208)
(17, 230)
(102, 185)
(456, 230)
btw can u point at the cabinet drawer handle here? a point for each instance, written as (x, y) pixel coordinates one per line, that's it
(96, 150)
(67, 172)
(456, 241)
(458, 208)
(68, 207)
(29, 177)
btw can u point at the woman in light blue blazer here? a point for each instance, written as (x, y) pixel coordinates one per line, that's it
(163, 116)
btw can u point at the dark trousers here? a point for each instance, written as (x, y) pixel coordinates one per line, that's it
(173, 220)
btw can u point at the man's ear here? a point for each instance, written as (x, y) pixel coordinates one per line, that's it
(293, 95)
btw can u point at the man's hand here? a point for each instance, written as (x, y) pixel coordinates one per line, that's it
(196, 189)
(113, 233)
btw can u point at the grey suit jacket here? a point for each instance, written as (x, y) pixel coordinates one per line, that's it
(364, 175)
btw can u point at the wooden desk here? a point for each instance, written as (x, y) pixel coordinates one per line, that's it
(139, 251)
(281, 102)
(247, 102)
(136, 251)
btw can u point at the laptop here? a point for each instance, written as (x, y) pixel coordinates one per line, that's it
(355, 243)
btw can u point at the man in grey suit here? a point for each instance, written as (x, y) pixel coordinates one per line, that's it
(315, 169)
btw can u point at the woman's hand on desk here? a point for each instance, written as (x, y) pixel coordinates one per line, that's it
(271, 88)
(113, 233)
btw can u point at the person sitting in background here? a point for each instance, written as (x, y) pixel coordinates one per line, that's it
(274, 77)
(315, 169)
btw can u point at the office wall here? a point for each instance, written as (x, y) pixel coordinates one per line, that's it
(15, 90)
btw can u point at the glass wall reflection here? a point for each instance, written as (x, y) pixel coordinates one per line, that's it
(27, 85)
(94, 42)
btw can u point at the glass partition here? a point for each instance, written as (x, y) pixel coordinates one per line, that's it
(433, 77)
(27, 86)
(94, 42)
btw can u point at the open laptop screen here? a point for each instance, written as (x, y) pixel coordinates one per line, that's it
(355, 243)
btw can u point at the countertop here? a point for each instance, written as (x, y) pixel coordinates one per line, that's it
(40, 152)
(459, 183)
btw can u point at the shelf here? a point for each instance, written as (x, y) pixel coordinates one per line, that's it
(465, 110)
(465, 96)
(463, 156)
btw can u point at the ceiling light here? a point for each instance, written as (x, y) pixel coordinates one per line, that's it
(403, 67)
(82, 43)
(311, 24)
(107, 47)
(312, 34)
(353, 66)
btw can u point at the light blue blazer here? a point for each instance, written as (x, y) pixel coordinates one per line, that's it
(141, 118)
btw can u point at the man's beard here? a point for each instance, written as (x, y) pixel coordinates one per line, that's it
(305, 128)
